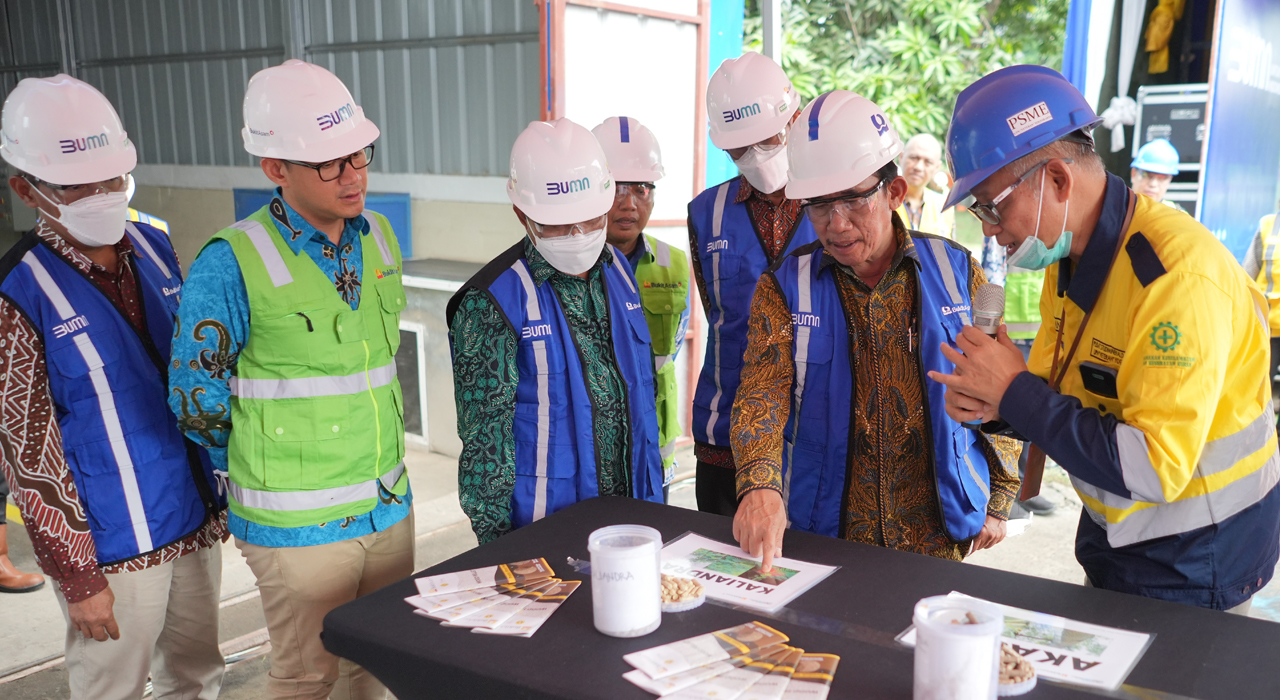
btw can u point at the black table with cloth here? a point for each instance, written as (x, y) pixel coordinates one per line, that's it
(1196, 653)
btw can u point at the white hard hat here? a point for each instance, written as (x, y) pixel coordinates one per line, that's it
(559, 174)
(63, 131)
(300, 111)
(631, 149)
(840, 139)
(749, 99)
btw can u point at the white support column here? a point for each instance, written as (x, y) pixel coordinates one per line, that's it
(771, 14)
(66, 39)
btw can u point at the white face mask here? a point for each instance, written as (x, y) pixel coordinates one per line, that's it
(572, 255)
(94, 221)
(765, 170)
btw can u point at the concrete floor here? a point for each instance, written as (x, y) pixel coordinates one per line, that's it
(31, 626)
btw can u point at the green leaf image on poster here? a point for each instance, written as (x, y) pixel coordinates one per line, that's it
(742, 568)
(1056, 636)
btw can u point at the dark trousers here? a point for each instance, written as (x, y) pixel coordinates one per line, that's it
(716, 489)
(4, 495)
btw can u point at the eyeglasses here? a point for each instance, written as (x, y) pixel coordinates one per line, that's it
(821, 210)
(641, 190)
(560, 230)
(115, 184)
(768, 145)
(987, 212)
(333, 169)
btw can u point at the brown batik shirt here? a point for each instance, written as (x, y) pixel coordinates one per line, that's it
(892, 496)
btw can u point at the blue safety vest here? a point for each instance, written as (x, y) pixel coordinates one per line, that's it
(816, 448)
(555, 443)
(732, 257)
(143, 485)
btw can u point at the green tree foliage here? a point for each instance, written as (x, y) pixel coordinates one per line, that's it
(911, 57)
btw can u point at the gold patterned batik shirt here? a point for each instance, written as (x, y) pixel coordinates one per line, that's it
(891, 498)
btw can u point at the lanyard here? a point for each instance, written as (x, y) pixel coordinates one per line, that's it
(1035, 458)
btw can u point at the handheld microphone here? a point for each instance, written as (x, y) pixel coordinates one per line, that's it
(988, 308)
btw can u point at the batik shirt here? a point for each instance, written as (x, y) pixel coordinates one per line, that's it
(31, 452)
(485, 378)
(213, 326)
(891, 497)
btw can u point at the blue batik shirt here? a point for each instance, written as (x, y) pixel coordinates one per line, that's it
(213, 325)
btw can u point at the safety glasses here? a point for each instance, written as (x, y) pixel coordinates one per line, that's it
(115, 184)
(641, 190)
(987, 212)
(559, 230)
(822, 209)
(333, 169)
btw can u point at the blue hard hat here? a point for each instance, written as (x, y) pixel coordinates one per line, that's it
(1007, 114)
(1157, 156)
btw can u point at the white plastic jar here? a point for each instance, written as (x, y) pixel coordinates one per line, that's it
(626, 579)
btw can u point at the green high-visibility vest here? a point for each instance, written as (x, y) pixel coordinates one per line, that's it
(1022, 302)
(315, 407)
(663, 277)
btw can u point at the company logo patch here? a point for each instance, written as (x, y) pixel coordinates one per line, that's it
(581, 185)
(948, 310)
(810, 320)
(256, 132)
(664, 285)
(880, 123)
(538, 331)
(170, 291)
(1029, 118)
(388, 272)
(84, 144)
(632, 307)
(336, 117)
(717, 245)
(735, 115)
(1165, 337)
(69, 327)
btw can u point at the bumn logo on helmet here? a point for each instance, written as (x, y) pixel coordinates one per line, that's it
(580, 185)
(733, 115)
(85, 144)
(336, 117)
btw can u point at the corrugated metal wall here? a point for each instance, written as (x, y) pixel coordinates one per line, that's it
(450, 82)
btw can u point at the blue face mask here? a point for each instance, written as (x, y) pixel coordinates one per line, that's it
(1033, 254)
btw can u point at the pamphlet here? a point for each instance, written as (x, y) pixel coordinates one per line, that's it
(668, 659)
(1065, 650)
(433, 603)
(505, 592)
(506, 607)
(812, 677)
(527, 621)
(773, 685)
(680, 681)
(728, 686)
(728, 574)
(512, 574)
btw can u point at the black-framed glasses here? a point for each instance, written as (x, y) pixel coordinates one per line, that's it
(333, 169)
(987, 212)
(821, 210)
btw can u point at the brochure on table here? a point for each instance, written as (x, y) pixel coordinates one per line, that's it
(1067, 651)
(730, 575)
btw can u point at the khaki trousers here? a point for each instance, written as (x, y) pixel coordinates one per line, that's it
(168, 618)
(300, 585)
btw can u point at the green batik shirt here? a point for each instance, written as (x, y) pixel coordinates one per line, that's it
(484, 382)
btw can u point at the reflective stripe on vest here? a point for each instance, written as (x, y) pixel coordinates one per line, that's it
(949, 278)
(271, 258)
(1270, 244)
(310, 387)
(146, 248)
(106, 403)
(805, 302)
(716, 225)
(375, 230)
(1022, 327)
(534, 310)
(312, 500)
(1149, 515)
